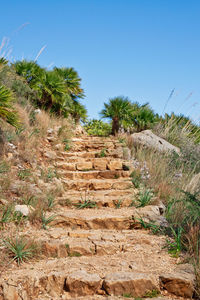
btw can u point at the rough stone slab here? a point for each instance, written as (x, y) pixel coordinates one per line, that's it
(136, 284)
(86, 165)
(67, 166)
(82, 283)
(179, 284)
(100, 164)
(115, 165)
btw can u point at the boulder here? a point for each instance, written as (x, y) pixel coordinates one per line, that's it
(149, 140)
(135, 284)
(194, 186)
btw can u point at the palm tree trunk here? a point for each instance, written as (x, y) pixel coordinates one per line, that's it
(115, 125)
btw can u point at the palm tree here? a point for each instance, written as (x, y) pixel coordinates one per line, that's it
(72, 82)
(118, 109)
(7, 113)
(78, 112)
(142, 117)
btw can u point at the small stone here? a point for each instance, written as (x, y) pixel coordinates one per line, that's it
(23, 209)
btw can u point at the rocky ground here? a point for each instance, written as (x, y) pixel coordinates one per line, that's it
(95, 247)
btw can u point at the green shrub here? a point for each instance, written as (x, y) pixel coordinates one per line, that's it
(98, 128)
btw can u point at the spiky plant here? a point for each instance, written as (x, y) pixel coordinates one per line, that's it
(72, 82)
(7, 112)
(78, 112)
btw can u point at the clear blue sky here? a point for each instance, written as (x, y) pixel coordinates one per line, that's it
(137, 48)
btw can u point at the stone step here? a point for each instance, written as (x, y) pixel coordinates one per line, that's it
(73, 175)
(116, 200)
(100, 165)
(97, 184)
(134, 273)
(107, 218)
(59, 242)
(92, 154)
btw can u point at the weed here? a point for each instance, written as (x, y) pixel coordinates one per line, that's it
(67, 246)
(136, 179)
(122, 140)
(7, 214)
(118, 203)
(86, 204)
(29, 200)
(103, 153)
(144, 198)
(18, 217)
(46, 220)
(20, 249)
(49, 174)
(50, 201)
(67, 146)
(127, 295)
(24, 173)
(155, 229)
(152, 294)
(4, 167)
(74, 254)
(175, 246)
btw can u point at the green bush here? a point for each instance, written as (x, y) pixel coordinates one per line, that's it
(98, 128)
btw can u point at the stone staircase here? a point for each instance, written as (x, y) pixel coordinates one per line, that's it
(101, 251)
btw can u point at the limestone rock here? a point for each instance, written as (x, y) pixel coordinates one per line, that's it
(135, 284)
(180, 284)
(100, 165)
(79, 130)
(82, 283)
(149, 140)
(115, 165)
(152, 214)
(85, 165)
(50, 154)
(23, 209)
